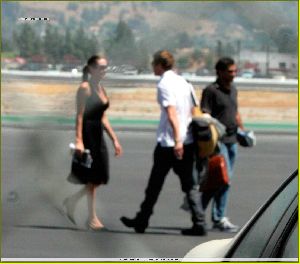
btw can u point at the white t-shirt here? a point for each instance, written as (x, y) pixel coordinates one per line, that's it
(174, 90)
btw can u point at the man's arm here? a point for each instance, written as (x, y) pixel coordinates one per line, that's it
(239, 121)
(206, 101)
(173, 119)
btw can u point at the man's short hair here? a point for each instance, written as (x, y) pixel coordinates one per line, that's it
(224, 63)
(164, 58)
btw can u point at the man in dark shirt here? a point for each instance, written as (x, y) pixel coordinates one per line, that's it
(219, 100)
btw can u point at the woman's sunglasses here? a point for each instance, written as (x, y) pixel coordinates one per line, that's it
(101, 67)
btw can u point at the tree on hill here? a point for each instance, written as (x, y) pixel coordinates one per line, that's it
(286, 40)
(183, 40)
(68, 45)
(6, 45)
(142, 56)
(84, 45)
(27, 41)
(10, 14)
(121, 48)
(53, 44)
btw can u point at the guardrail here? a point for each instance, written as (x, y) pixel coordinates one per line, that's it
(288, 85)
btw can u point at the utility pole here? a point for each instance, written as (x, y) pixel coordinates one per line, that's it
(219, 49)
(238, 53)
(268, 59)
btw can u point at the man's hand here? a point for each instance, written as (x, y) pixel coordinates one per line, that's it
(178, 150)
(173, 118)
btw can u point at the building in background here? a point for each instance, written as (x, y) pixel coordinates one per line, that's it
(264, 63)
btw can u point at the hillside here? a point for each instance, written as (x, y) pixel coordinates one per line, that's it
(209, 20)
(128, 32)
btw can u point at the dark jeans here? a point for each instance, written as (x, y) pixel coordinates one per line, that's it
(164, 160)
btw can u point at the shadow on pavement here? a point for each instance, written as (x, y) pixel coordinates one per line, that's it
(149, 231)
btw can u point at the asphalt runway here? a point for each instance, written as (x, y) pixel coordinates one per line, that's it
(35, 165)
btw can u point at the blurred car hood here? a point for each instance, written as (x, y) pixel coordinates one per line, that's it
(211, 249)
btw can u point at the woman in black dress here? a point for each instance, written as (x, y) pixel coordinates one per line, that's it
(91, 120)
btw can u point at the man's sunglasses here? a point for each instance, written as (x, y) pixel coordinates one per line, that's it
(232, 71)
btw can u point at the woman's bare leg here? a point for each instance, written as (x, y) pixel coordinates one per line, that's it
(71, 202)
(94, 221)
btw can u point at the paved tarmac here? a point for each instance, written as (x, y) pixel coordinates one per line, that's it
(35, 165)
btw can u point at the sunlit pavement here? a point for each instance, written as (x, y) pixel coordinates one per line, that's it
(35, 165)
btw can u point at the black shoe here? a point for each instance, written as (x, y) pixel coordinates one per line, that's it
(138, 227)
(194, 231)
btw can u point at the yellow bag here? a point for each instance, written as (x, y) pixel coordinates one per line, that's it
(205, 147)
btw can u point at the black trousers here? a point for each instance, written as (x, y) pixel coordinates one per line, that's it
(164, 160)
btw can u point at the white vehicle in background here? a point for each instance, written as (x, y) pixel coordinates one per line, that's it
(271, 234)
(128, 70)
(123, 69)
(248, 73)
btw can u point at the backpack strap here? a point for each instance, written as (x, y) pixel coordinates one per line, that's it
(193, 95)
(196, 112)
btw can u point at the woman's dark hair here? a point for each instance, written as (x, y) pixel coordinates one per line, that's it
(164, 58)
(92, 61)
(224, 63)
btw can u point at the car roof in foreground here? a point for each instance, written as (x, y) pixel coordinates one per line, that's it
(248, 227)
(224, 249)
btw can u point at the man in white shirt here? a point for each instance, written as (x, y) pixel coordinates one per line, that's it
(174, 149)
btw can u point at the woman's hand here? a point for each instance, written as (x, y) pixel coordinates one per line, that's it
(79, 147)
(118, 148)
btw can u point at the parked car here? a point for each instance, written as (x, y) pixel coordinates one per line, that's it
(128, 70)
(247, 74)
(203, 72)
(271, 233)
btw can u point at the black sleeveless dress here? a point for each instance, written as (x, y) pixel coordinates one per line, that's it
(93, 138)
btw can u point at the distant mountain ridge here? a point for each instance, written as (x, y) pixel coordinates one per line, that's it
(196, 30)
(189, 16)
